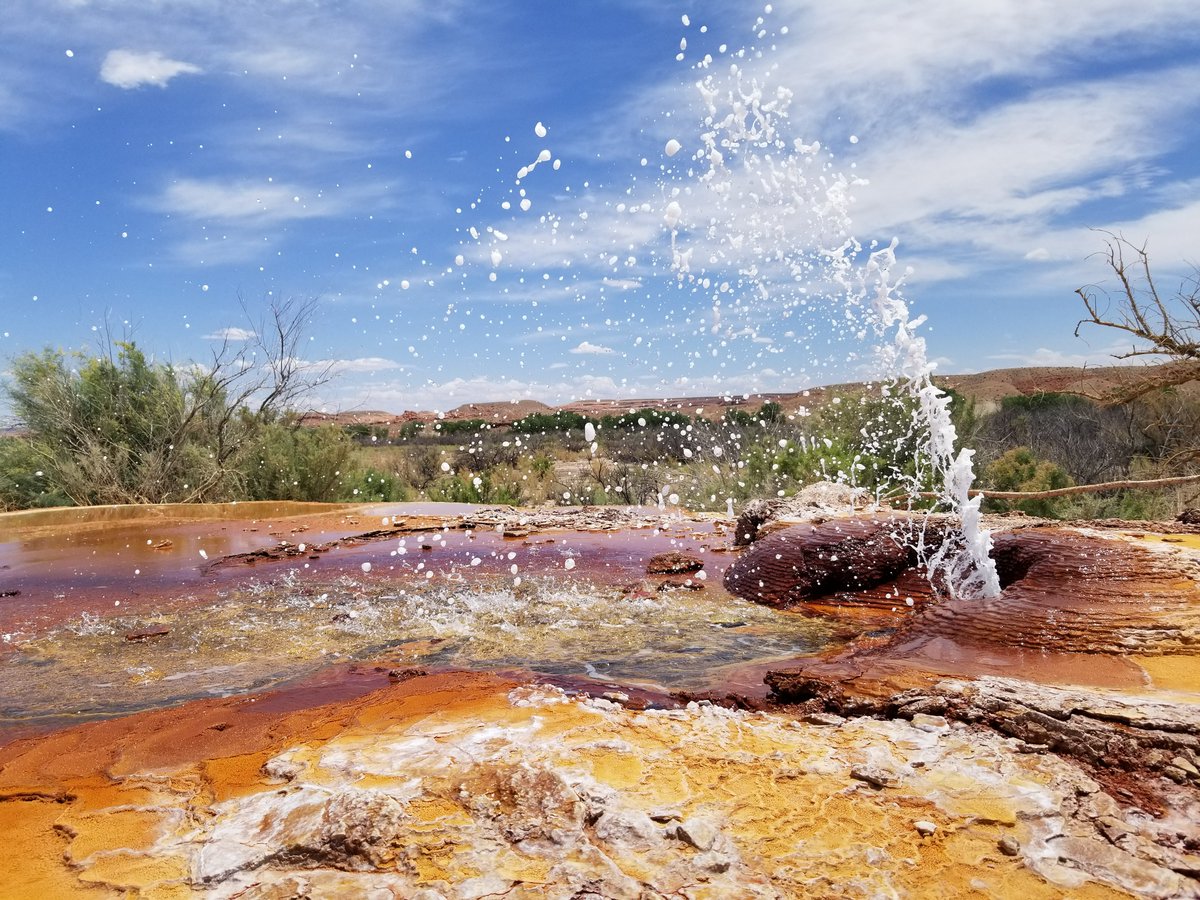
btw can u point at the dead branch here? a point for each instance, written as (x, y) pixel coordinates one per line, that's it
(288, 377)
(1156, 327)
(1129, 485)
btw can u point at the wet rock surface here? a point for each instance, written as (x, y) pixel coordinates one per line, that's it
(471, 786)
(1041, 744)
(673, 563)
(810, 562)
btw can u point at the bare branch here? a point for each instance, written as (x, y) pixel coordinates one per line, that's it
(286, 377)
(1147, 485)
(1156, 327)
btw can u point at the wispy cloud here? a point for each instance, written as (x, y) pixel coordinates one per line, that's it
(1024, 163)
(129, 69)
(234, 201)
(587, 348)
(233, 333)
(363, 364)
(1045, 356)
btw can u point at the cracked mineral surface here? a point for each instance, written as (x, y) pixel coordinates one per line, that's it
(474, 717)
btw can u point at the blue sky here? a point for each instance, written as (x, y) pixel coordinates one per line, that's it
(159, 160)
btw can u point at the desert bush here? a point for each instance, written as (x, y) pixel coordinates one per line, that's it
(367, 435)
(287, 462)
(459, 427)
(22, 483)
(118, 427)
(373, 486)
(487, 454)
(110, 429)
(1090, 442)
(496, 486)
(567, 425)
(1020, 470)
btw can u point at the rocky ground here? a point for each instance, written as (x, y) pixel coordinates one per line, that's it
(1041, 744)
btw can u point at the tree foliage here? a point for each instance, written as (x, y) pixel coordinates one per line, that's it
(1020, 470)
(119, 427)
(110, 429)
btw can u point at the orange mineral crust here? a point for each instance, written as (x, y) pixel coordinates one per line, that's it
(471, 785)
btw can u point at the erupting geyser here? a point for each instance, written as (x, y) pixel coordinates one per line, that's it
(766, 213)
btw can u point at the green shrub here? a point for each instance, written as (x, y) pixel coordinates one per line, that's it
(111, 429)
(1020, 470)
(546, 423)
(461, 426)
(372, 486)
(23, 484)
(287, 462)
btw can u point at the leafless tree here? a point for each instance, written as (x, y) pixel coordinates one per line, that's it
(249, 383)
(1158, 326)
(287, 377)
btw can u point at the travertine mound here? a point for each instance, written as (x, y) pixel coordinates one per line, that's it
(468, 786)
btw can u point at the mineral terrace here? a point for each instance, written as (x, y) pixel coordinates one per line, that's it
(417, 702)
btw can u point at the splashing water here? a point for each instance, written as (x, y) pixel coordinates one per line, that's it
(759, 229)
(776, 210)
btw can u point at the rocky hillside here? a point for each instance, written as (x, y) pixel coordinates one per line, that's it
(985, 388)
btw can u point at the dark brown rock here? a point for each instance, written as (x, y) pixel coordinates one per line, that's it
(796, 687)
(806, 562)
(673, 563)
(146, 634)
(755, 514)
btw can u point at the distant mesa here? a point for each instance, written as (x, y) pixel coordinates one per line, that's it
(985, 388)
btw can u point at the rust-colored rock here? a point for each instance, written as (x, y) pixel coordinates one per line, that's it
(808, 562)
(929, 780)
(673, 563)
(148, 633)
(468, 785)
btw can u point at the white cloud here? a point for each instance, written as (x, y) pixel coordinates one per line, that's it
(244, 201)
(362, 364)
(1045, 356)
(1170, 232)
(884, 58)
(624, 284)
(1073, 252)
(233, 333)
(128, 69)
(588, 348)
(928, 269)
(1024, 162)
(988, 132)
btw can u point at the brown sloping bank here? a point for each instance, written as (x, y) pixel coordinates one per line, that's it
(1091, 651)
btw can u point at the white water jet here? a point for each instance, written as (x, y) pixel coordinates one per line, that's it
(778, 211)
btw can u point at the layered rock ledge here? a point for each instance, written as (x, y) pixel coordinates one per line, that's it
(1042, 744)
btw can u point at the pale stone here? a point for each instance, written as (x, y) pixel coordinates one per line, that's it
(700, 833)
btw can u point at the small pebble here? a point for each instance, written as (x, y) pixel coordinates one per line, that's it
(925, 828)
(1009, 846)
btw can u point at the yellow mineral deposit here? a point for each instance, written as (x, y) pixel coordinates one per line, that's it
(465, 786)
(1035, 745)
